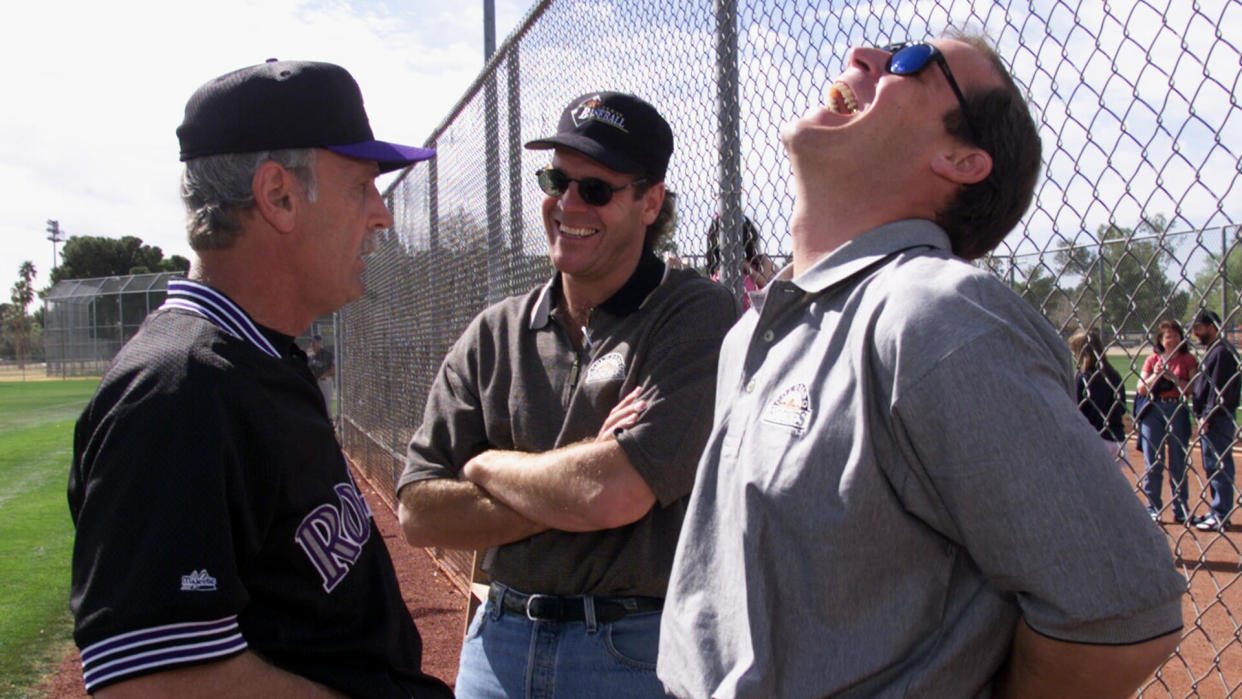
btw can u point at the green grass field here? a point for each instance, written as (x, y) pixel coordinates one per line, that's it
(36, 535)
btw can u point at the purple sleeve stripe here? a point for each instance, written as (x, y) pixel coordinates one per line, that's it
(165, 659)
(158, 634)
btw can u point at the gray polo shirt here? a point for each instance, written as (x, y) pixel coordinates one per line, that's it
(898, 472)
(514, 381)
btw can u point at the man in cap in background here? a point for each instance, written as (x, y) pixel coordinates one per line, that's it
(222, 546)
(322, 366)
(532, 445)
(899, 496)
(1214, 396)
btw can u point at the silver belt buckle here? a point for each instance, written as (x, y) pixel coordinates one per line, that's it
(528, 602)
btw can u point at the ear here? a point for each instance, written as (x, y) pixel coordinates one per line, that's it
(653, 199)
(962, 164)
(278, 195)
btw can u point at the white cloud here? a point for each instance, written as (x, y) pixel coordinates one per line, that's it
(95, 92)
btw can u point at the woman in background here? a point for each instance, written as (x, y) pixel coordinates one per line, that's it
(1101, 392)
(757, 268)
(1165, 423)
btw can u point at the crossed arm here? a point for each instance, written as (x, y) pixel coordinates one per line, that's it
(505, 496)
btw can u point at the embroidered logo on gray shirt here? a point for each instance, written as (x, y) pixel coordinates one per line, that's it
(792, 409)
(609, 367)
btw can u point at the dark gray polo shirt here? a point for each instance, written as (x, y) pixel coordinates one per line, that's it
(514, 381)
(897, 472)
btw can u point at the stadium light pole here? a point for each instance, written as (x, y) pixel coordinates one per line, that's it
(55, 235)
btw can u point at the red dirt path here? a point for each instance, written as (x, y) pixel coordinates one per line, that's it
(437, 606)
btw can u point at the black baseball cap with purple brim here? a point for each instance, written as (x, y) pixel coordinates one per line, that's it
(286, 104)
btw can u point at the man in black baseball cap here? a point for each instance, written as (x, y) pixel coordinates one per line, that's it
(562, 432)
(1215, 392)
(222, 546)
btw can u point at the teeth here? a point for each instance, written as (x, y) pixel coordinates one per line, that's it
(577, 232)
(841, 100)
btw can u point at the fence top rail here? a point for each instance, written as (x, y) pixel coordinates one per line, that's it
(489, 67)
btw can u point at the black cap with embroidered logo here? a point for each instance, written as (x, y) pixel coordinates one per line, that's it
(286, 104)
(621, 132)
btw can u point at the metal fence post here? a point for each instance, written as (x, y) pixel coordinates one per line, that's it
(730, 238)
(514, 74)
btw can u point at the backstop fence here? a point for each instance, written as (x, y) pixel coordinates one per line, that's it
(1136, 216)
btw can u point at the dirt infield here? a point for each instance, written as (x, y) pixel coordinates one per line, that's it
(1208, 663)
(31, 372)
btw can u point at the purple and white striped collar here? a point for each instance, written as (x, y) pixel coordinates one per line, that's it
(219, 309)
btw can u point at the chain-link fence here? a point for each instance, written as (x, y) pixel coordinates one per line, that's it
(1135, 219)
(87, 320)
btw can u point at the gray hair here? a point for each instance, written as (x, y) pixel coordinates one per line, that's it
(216, 188)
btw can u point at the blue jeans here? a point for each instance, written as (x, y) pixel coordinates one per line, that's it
(1217, 445)
(507, 656)
(1166, 424)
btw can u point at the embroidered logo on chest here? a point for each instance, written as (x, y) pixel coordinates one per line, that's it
(792, 409)
(333, 535)
(609, 367)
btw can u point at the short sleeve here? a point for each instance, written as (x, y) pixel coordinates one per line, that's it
(155, 497)
(1017, 478)
(678, 373)
(452, 430)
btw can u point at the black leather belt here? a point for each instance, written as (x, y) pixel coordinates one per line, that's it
(573, 608)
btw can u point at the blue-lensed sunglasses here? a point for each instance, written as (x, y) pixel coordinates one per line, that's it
(911, 59)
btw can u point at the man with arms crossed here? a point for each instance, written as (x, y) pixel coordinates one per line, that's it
(223, 549)
(899, 496)
(533, 446)
(1215, 397)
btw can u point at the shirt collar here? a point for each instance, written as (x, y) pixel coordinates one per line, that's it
(647, 277)
(857, 254)
(223, 313)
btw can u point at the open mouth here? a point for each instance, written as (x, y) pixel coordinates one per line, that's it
(842, 100)
(572, 232)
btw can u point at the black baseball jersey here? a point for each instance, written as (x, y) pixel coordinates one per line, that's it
(215, 513)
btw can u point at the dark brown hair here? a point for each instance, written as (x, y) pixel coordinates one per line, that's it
(1170, 324)
(979, 217)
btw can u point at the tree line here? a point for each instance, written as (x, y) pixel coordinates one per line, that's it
(1124, 283)
(83, 257)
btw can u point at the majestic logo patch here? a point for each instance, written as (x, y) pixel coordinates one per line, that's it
(590, 109)
(609, 367)
(198, 581)
(333, 535)
(792, 408)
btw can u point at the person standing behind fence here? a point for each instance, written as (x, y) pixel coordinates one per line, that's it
(222, 547)
(323, 368)
(899, 496)
(1215, 399)
(1165, 421)
(757, 268)
(1101, 392)
(532, 445)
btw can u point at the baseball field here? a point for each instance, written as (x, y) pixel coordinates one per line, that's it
(36, 436)
(36, 425)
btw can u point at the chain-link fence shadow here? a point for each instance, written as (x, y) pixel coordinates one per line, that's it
(1136, 217)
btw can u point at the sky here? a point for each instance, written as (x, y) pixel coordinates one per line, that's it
(95, 91)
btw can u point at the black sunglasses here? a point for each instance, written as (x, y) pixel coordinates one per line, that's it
(911, 59)
(594, 191)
